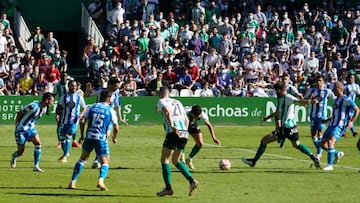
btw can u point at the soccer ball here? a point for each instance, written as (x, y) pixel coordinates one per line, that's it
(224, 164)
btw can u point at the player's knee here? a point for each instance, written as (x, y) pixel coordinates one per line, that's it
(200, 144)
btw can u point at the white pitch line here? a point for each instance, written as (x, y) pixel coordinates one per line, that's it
(284, 157)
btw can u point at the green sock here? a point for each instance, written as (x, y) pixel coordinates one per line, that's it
(185, 171)
(194, 151)
(260, 152)
(304, 149)
(166, 172)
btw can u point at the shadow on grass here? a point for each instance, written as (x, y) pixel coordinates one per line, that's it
(87, 195)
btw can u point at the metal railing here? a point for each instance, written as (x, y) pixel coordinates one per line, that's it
(89, 27)
(22, 31)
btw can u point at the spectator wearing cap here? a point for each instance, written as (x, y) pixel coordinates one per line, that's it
(36, 36)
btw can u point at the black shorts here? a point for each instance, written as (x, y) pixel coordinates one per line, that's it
(194, 128)
(172, 141)
(291, 133)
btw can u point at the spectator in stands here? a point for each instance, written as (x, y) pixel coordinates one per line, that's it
(2, 87)
(118, 14)
(205, 91)
(5, 22)
(3, 43)
(96, 11)
(52, 75)
(37, 52)
(40, 85)
(36, 36)
(12, 86)
(129, 86)
(26, 84)
(225, 49)
(4, 68)
(154, 86)
(144, 11)
(50, 44)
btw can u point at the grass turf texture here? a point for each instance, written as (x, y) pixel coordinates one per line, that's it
(281, 175)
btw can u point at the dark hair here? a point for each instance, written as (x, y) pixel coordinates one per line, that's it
(114, 80)
(105, 95)
(47, 95)
(196, 110)
(279, 86)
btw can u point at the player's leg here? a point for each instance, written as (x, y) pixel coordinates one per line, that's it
(88, 146)
(166, 171)
(20, 138)
(37, 152)
(58, 133)
(168, 148)
(331, 135)
(103, 152)
(271, 137)
(182, 167)
(199, 142)
(97, 163)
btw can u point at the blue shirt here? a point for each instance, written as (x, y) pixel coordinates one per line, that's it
(100, 116)
(341, 109)
(319, 110)
(31, 113)
(71, 104)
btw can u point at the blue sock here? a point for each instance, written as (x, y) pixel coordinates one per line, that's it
(317, 145)
(15, 154)
(331, 156)
(96, 159)
(77, 169)
(37, 155)
(104, 170)
(66, 145)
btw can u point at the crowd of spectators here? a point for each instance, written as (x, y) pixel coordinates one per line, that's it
(217, 48)
(210, 47)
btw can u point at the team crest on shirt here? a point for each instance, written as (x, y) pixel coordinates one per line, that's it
(70, 104)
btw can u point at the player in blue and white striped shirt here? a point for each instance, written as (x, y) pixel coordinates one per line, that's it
(25, 130)
(100, 117)
(352, 90)
(69, 105)
(339, 121)
(319, 96)
(115, 102)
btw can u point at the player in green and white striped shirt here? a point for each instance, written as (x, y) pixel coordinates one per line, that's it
(285, 111)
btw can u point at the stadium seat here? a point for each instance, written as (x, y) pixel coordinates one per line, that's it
(174, 93)
(186, 93)
(197, 93)
(142, 92)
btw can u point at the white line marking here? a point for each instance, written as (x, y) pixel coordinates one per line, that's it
(284, 157)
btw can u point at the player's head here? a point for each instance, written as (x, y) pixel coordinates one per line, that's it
(114, 83)
(196, 110)
(164, 92)
(338, 88)
(320, 81)
(72, 85)
(105, 96)
(47, 100)
(280, 89)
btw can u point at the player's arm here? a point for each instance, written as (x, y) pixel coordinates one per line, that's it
(212, 132)
(169, 119)
(82, 128)
(275, 114)
(302, 102)
(58, 110)
(19, 115)
(354, 117)
(118, 113)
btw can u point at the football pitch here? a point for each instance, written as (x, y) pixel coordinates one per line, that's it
(281, 175)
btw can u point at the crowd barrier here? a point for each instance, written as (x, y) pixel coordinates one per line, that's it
(247, 111)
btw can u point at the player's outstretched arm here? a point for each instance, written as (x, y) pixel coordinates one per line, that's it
(212, 132)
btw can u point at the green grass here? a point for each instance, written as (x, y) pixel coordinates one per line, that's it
(282, 175)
